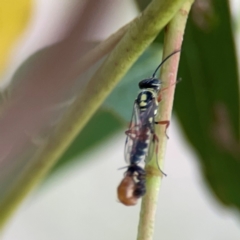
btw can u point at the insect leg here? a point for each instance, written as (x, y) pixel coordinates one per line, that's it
(132, 133)
(167, 123)
(159, 97)
(155, 138)
(164, 89)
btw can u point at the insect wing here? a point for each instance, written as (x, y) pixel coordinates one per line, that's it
(147, 119)
(132, 132)
(151, 148)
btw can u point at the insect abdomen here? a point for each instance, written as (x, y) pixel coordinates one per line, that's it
(140, 149)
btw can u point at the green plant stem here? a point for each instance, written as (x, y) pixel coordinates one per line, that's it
(139, 35)
(172, 41)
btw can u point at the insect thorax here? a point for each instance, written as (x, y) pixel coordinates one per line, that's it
(148, 104)
(145, 98)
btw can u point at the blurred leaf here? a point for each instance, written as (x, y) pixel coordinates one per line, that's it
(14, 16)
(207, 100)
(142, 4)
(102, 125)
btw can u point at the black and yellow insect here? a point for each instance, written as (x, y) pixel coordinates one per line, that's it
(140, 136)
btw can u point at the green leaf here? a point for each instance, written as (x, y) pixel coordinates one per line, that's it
(207, 100)
(142, 4)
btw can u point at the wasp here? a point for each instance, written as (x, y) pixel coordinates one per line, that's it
(141, 138)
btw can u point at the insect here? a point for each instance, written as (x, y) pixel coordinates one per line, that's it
(141, 138)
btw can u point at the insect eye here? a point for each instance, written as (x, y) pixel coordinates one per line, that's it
(150, 83)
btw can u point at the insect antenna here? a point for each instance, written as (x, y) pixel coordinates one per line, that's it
(122, 168)
(163, 61)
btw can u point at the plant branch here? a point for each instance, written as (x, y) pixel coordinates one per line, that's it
(139, 35)
(174, 32)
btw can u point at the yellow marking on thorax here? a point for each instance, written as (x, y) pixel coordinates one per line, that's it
(143, 97)
(142, 104)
